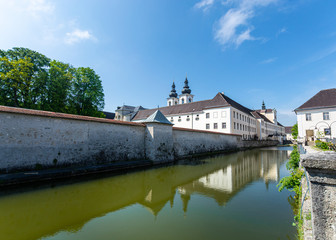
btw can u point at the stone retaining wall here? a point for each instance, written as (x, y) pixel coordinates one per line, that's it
(321, 168)
(31, 139)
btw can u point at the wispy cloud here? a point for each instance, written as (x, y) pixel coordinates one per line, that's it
(234, 27)
(204, 4)
(322, 54)
(269, 60)
(78, 35)
(37, 7)
(40, 23)
(281, 31)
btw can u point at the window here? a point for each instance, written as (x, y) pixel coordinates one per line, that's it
(197, 117)
(234, 114)
(207, 115)
(171, 119)
(215, 125)
(189, 99)
(215, 114)
(175, 103)
(326, 116)
(179, 119)
(223, 125)
(223, 114)
(234, 125)
(188, 118)
(240, 127)
(182, 100)
(308, 116)
(207, 126)
(169, 103)
(240, 116)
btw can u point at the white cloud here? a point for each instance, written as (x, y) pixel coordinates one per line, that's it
(282, 30)
(270, 60)
(78, 35)
(235, 27)
(204, 4)
(37, 7)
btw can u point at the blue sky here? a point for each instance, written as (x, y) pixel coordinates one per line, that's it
(282, 52)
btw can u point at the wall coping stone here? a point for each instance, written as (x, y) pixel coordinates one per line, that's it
(25, 111)
(321, 160)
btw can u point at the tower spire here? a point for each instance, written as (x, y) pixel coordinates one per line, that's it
(173, 91)
(263, 107)
(186, 88)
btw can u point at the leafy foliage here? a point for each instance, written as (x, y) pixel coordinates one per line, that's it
(29, 79)
(293, 183)
(295, 131)
(322, 145)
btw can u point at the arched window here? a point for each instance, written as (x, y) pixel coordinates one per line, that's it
(169, 103)
(189, 99)
(182, 100)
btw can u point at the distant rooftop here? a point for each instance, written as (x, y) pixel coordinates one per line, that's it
(220, 100)
(323, 99)
(288, 129)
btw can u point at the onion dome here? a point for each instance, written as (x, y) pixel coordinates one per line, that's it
(173, 91)
(186, 88)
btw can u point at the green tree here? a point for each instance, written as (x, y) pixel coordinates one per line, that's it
(39, 75)
(59, 86)
(16, 78)
(295, 131)
(87, 93)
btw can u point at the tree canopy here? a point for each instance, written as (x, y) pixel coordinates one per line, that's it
(29, 79)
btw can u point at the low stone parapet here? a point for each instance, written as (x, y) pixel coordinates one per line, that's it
(321, 169)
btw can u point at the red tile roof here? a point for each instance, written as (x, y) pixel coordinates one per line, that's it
(220, 100)
(288, 129)
(63, 115)
(323, 99)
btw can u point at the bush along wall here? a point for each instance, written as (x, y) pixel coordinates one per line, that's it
(293, 184)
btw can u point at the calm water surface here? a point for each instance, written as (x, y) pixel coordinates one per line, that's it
(225, 197)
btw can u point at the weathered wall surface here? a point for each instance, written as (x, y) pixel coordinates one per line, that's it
(32, 139)
(28, 140)
(158, 142)
(245, 144)
(190, 142)
(321, 168)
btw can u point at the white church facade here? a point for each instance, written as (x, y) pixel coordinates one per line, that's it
(219, 114)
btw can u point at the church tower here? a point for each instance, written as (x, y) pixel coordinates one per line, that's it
(173, 98)
(186, 97)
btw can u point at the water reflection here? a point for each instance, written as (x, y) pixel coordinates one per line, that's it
(41, 213)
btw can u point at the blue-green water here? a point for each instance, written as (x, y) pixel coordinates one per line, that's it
(230, 196)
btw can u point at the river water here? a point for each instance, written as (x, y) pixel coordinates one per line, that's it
(232, 196)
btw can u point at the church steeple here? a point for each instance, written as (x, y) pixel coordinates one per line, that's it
(263, 107)
(173, 91)
(173, 98)
(186, 89)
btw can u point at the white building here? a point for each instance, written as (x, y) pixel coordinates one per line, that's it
(288, 131)
(316, 118)
(220, 114)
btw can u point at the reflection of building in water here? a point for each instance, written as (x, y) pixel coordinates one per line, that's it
(224, 183)
(69, 207)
